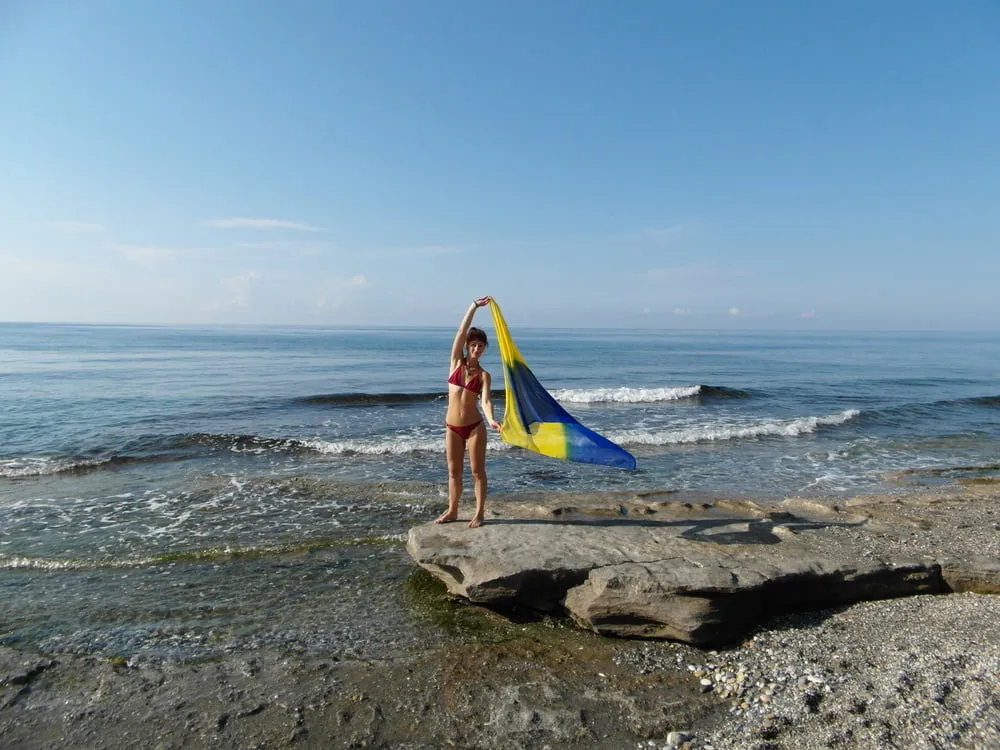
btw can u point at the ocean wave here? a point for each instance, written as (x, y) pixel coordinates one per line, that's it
(632, 395)
(184, 446)
(723, 432)
(622, 394)
(721, 391)
(928, 405)
(228, 441)
(37, 466)
(900, 413)
(238, 443)
(982, 401)
(989, 468)
(151, 449)
(625, 395)
(376, 445)
(181, 447)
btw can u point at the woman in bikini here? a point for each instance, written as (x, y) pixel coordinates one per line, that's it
(464, 426)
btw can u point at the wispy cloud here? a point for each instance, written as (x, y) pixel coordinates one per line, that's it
(736, 312)
(808, 314)
(280, 245)
(20, 269)
(335, 291)
(682, 311)
(145, 255)
(76, 227)
(288, 246)
(235, 292)
(244, 223)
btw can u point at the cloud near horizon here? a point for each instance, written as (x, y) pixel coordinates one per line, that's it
(235, 292)
(334, 292)
(144, 254)
(245, 223)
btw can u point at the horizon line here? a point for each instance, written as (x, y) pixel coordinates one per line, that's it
(110, 324)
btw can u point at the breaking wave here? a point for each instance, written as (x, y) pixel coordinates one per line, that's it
(629, 395)
(620, 395)
(723, 432)
(982, 401)
(36, 466)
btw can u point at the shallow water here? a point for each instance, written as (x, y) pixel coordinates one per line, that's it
(188, 492)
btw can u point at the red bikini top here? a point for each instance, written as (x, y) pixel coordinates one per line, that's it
(475, 383)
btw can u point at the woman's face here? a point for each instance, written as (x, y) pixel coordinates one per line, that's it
(476, 349)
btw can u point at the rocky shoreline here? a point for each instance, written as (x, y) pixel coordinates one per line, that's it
(915, 672)
(706, 570)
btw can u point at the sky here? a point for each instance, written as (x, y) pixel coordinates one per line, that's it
(675, 164)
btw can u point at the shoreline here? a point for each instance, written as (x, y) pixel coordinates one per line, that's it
(914, 672)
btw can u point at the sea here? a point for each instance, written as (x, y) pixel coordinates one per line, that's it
(184, 493)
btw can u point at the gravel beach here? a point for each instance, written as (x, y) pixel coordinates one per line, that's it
(919, 672)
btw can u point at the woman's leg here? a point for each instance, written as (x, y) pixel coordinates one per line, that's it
(477, 464)
(454, 449)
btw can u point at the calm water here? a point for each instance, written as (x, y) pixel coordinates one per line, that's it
(185, 492)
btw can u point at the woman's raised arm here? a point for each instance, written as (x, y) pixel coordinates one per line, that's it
(463, 329)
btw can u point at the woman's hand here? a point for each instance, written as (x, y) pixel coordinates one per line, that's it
(496, 425)
(483, 301)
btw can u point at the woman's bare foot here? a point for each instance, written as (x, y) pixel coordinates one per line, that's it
(446, 517)
(476, 522)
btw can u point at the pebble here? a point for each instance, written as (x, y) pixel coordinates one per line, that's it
(815, 677)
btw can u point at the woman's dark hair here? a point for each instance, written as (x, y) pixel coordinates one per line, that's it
(476, 334)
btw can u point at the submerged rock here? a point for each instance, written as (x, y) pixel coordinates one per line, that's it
(702, 572)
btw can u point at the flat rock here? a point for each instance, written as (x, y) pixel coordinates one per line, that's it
(705, 570)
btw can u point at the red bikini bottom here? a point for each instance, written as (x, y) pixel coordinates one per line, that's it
(464, 430)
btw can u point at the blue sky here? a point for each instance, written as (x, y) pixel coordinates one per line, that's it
(664, 164)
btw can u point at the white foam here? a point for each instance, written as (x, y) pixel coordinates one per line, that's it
(35, 466)
(37, 563)
(394, 446)
(374, 446)
(624, 395)
(829, 481)
(721, 432)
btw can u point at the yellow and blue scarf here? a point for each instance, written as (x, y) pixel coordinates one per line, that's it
(533, 419)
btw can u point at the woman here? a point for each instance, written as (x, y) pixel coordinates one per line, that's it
(464, 426)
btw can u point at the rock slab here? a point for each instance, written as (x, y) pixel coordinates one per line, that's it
(703, 572)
